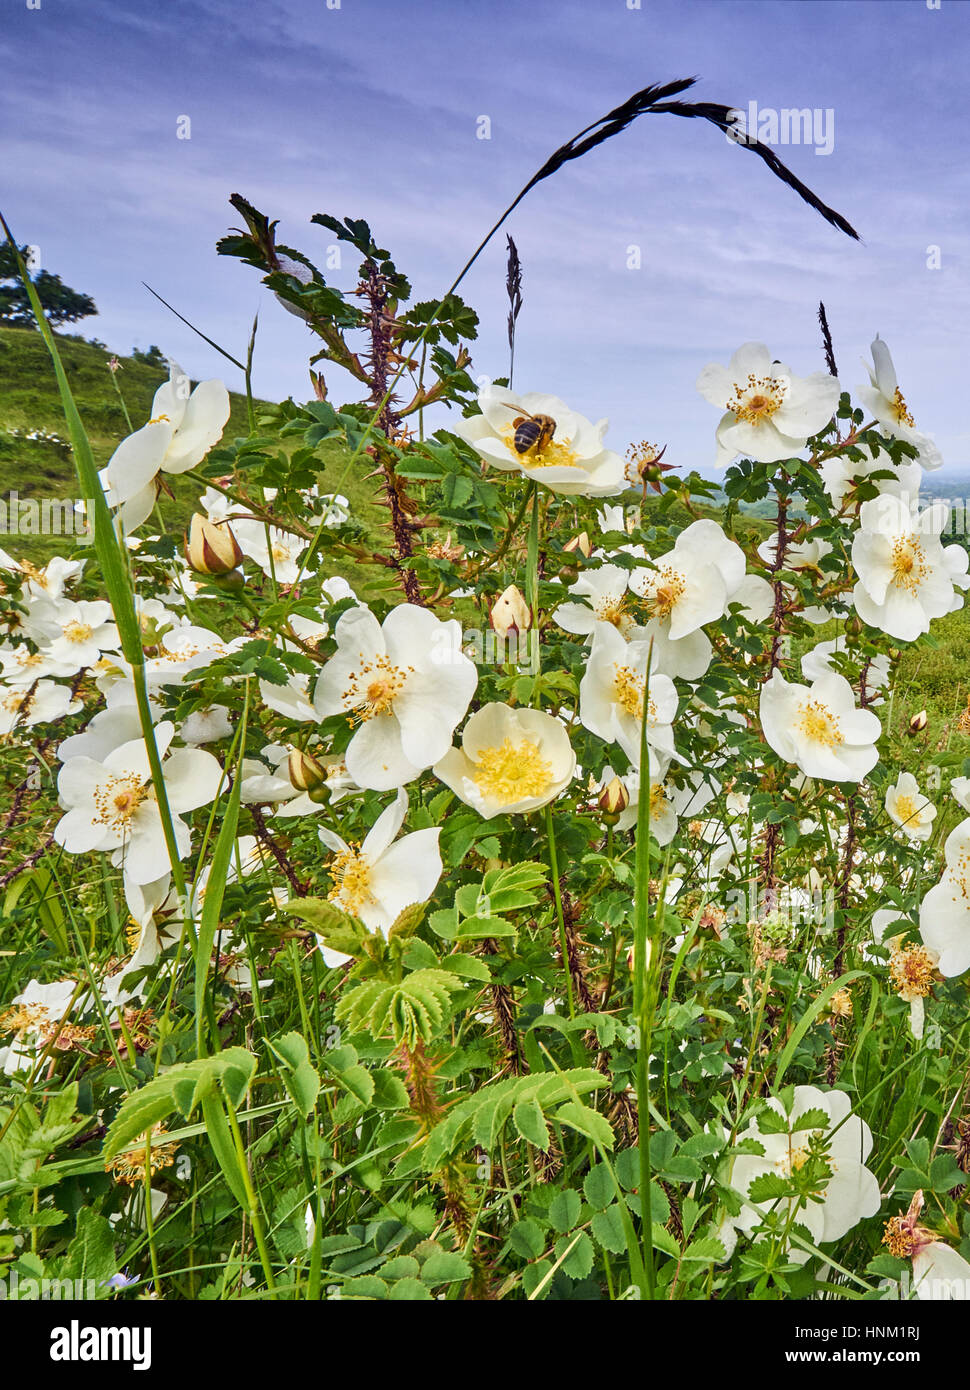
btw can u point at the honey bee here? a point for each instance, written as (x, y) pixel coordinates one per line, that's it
(532, 432)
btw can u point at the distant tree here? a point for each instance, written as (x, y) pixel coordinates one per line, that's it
(60, 303)
(154, 357)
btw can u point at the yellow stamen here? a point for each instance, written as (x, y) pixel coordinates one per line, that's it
(817, 722)
(131, 1167)
(23, 1017)
(512, 772)
(628, 690)
(117, 800)
(666, 590)
(908, 563)
(757, 399)
(900, 411)
(911, 971)
(555, 454)
(351, 874)
(373, 690)
(77, 632)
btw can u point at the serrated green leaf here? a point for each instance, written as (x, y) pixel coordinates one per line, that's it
(589, 1122)
(564, 1209)
(530, 1122)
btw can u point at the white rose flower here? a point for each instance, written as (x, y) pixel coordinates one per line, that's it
(32, 1018)
(409, 685)
(21, 707)
(111, 805)
(850, 1192)
(380, 879)
(769, 413)
(885, 400)
(574, 461)
(611, 699)
(819, 728)
(276, 552)
(905, 577)
(605, 591)
(510, 761)
(83, 631)
(909, 809)
(944, 914)
(184, 426)
(19, 665)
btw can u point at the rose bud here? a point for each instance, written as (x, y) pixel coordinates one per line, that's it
(918, 722)
(612, 800)
(581, 543)
(305, 771)
(510, 613)
(211, 547)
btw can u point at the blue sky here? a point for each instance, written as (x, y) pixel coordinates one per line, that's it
(372, 110)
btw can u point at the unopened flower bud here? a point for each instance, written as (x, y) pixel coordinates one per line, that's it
(581, 543)
(631, 956)
(918, 722)
(893, 653)
(510, 613)
(211, 547)
(305, 771)
(612, 800)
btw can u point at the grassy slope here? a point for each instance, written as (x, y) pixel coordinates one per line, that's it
(41, 469)
(937, 679)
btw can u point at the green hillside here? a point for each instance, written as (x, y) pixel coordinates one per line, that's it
(42, 467)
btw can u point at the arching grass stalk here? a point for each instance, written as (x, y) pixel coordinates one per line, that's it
(645, 968)
(115, 573)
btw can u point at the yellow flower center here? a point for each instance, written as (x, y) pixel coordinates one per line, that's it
(658, 800)
(511, 772)
(907, 810)
(900, 1237)
(628, 689)
(900, 411)
(908, 563)
(117, 800)
(554, 454)
(14, 701)
(23, 1017)
(613, 610)
(911, 970)
(817, 722)
(757, 399)
(373, 690)
(157, 420)
(131, 1167)
(351, 874)
(666, 591)
(279, 552)
(75, 631)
